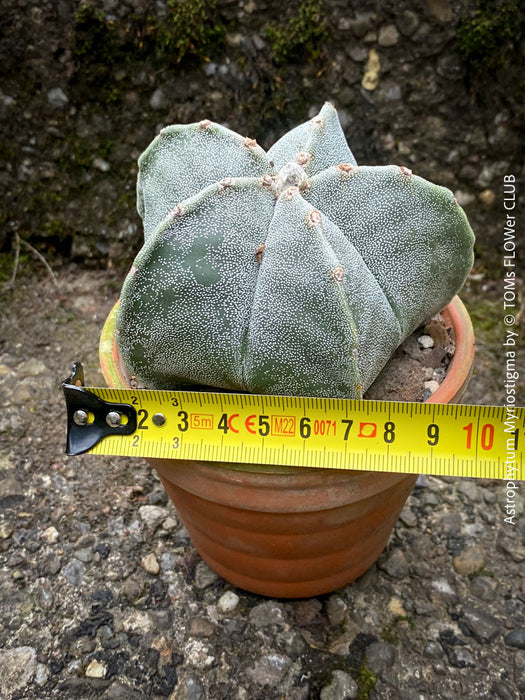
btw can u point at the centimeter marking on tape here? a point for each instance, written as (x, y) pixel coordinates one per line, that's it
(419, 438)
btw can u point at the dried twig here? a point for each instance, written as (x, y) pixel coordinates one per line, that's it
(42, 260)
(11, 282)
(20, 241)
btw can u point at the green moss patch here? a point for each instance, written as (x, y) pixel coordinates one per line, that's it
(302, 38)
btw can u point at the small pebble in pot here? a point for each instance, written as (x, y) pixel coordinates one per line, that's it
(431, 386)
(425, 341)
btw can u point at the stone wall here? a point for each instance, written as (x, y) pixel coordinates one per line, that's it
(434, 85)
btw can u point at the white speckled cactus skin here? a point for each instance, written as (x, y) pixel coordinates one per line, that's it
(288, 272)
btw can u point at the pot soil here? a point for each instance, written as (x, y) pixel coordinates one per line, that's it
(291, 532)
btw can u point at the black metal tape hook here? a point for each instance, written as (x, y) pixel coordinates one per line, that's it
(90, 418)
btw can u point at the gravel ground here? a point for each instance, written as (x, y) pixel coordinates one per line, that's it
(104, 595)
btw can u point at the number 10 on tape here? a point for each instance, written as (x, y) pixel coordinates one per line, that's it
(438, 439)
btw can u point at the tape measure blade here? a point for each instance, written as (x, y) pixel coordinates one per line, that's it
(439, 439)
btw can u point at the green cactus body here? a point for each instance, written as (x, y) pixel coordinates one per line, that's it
(293, 272)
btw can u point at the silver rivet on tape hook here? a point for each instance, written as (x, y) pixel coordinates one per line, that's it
(80, 417)
(113, 419)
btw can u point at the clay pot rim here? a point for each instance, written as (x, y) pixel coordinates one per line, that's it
(450, 390)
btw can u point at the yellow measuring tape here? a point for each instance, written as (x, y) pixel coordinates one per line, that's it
(418, 438)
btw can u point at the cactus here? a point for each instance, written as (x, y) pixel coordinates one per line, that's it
(288, 272)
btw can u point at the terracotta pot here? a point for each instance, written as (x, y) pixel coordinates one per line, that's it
(285, 531)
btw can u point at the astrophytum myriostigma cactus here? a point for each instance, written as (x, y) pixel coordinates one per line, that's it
(289, 272)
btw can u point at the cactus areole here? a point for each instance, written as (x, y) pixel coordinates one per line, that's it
(288, 272)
